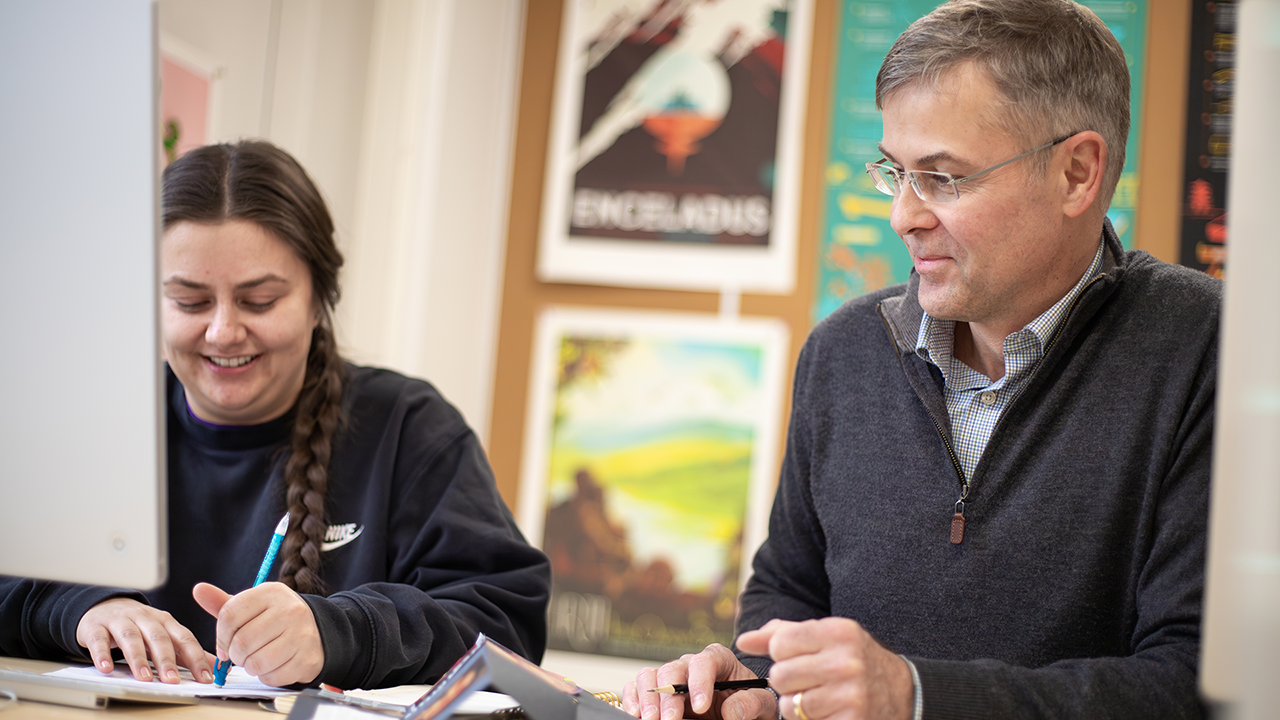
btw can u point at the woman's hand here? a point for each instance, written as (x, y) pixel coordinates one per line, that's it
(268, 630)
(699, 672)
(142, 633)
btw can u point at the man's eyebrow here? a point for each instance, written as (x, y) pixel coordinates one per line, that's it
(246, 285)
(930, 159)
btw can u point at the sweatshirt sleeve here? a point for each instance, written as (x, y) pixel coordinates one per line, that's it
(458, 567)
(38, 618)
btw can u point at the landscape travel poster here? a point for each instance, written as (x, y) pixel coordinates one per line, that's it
(675, 144)
(649, 465)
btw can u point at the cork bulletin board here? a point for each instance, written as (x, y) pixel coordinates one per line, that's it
(1158, 212)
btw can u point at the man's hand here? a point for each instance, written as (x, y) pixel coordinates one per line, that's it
(268, 630)
(841, 670)
(142, 633)
(699, 672)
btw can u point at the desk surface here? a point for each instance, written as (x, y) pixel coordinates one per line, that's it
(205, 709)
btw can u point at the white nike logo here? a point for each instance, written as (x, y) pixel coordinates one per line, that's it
(338, 535)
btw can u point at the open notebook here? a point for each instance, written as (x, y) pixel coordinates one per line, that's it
(86, 687)
(79, 693)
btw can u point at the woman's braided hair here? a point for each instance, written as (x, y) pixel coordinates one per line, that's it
(258, 182)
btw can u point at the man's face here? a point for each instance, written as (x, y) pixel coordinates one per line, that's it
(994, 256)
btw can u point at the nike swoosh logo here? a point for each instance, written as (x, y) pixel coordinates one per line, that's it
(327, 546)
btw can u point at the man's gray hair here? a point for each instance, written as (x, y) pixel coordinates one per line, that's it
(1057, 65)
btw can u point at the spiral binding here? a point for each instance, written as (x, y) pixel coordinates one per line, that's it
(611, 698)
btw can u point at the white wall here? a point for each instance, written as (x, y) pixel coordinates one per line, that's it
(314, 106)
(234, 35)
(403, 113)
(433, 187)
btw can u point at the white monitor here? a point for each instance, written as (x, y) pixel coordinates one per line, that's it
(1240, 663)
(81, 386)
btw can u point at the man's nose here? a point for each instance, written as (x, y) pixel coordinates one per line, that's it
(909, 214)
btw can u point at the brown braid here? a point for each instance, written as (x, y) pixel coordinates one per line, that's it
(319, 412)
(259, 182)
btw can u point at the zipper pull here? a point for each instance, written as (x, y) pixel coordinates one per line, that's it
(957, 523)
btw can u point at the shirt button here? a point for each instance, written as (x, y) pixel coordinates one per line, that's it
(988, 397)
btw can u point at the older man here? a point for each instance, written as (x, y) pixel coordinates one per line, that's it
(993, 500)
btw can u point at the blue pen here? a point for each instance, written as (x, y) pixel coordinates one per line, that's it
(222, 667)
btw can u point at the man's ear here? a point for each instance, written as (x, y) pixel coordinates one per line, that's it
(1083, 167)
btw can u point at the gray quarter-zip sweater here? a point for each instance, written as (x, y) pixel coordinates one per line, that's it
(1076, 591)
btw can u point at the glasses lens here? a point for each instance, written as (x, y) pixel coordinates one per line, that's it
(886, 181)
(935, 187)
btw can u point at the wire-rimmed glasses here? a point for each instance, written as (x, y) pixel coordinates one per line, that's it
(936, 187)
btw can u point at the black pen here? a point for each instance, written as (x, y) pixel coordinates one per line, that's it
(682, 689)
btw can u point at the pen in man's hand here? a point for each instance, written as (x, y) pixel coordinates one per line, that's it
(222, 667)
(682, 689)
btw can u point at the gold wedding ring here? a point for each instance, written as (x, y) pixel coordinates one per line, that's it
(795, 701)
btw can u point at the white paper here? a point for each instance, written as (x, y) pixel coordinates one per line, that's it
(405, 695)
(240, 684)
(478, 703)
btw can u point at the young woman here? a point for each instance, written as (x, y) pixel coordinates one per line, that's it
(399, 549)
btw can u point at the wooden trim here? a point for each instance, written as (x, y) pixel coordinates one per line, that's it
(1158, 218)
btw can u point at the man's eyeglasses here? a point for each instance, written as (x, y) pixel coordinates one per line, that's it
(936, 187)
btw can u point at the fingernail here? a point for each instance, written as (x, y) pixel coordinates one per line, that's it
(669, 714)
(105, 665)
(206, 676)
(172, 674)
(145, 673)
(650, 711)
(699, 700)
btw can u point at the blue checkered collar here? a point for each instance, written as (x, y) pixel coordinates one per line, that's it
(934, 340)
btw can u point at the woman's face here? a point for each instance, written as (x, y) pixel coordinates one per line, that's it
(237, 320)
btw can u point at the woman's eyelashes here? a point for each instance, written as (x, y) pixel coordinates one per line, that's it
(198, 305)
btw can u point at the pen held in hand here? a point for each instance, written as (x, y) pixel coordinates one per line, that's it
(222, 667)
(682, 689)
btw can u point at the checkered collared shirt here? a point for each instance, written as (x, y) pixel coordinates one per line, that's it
(974, 402)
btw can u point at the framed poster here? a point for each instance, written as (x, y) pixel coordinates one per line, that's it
(858, 251)
(1207, 154)
(674, 155)
(649, 466)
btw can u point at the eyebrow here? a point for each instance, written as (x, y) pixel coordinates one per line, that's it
(246, 285)
(930, 159)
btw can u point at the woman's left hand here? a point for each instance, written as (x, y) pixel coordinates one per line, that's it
(268, 630)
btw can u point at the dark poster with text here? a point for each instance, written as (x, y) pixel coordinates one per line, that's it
(1210, 100)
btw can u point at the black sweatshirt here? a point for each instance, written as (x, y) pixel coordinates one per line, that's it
(421, 552)
(1076, 591)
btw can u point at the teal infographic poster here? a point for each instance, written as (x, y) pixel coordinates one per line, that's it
(858, 251)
